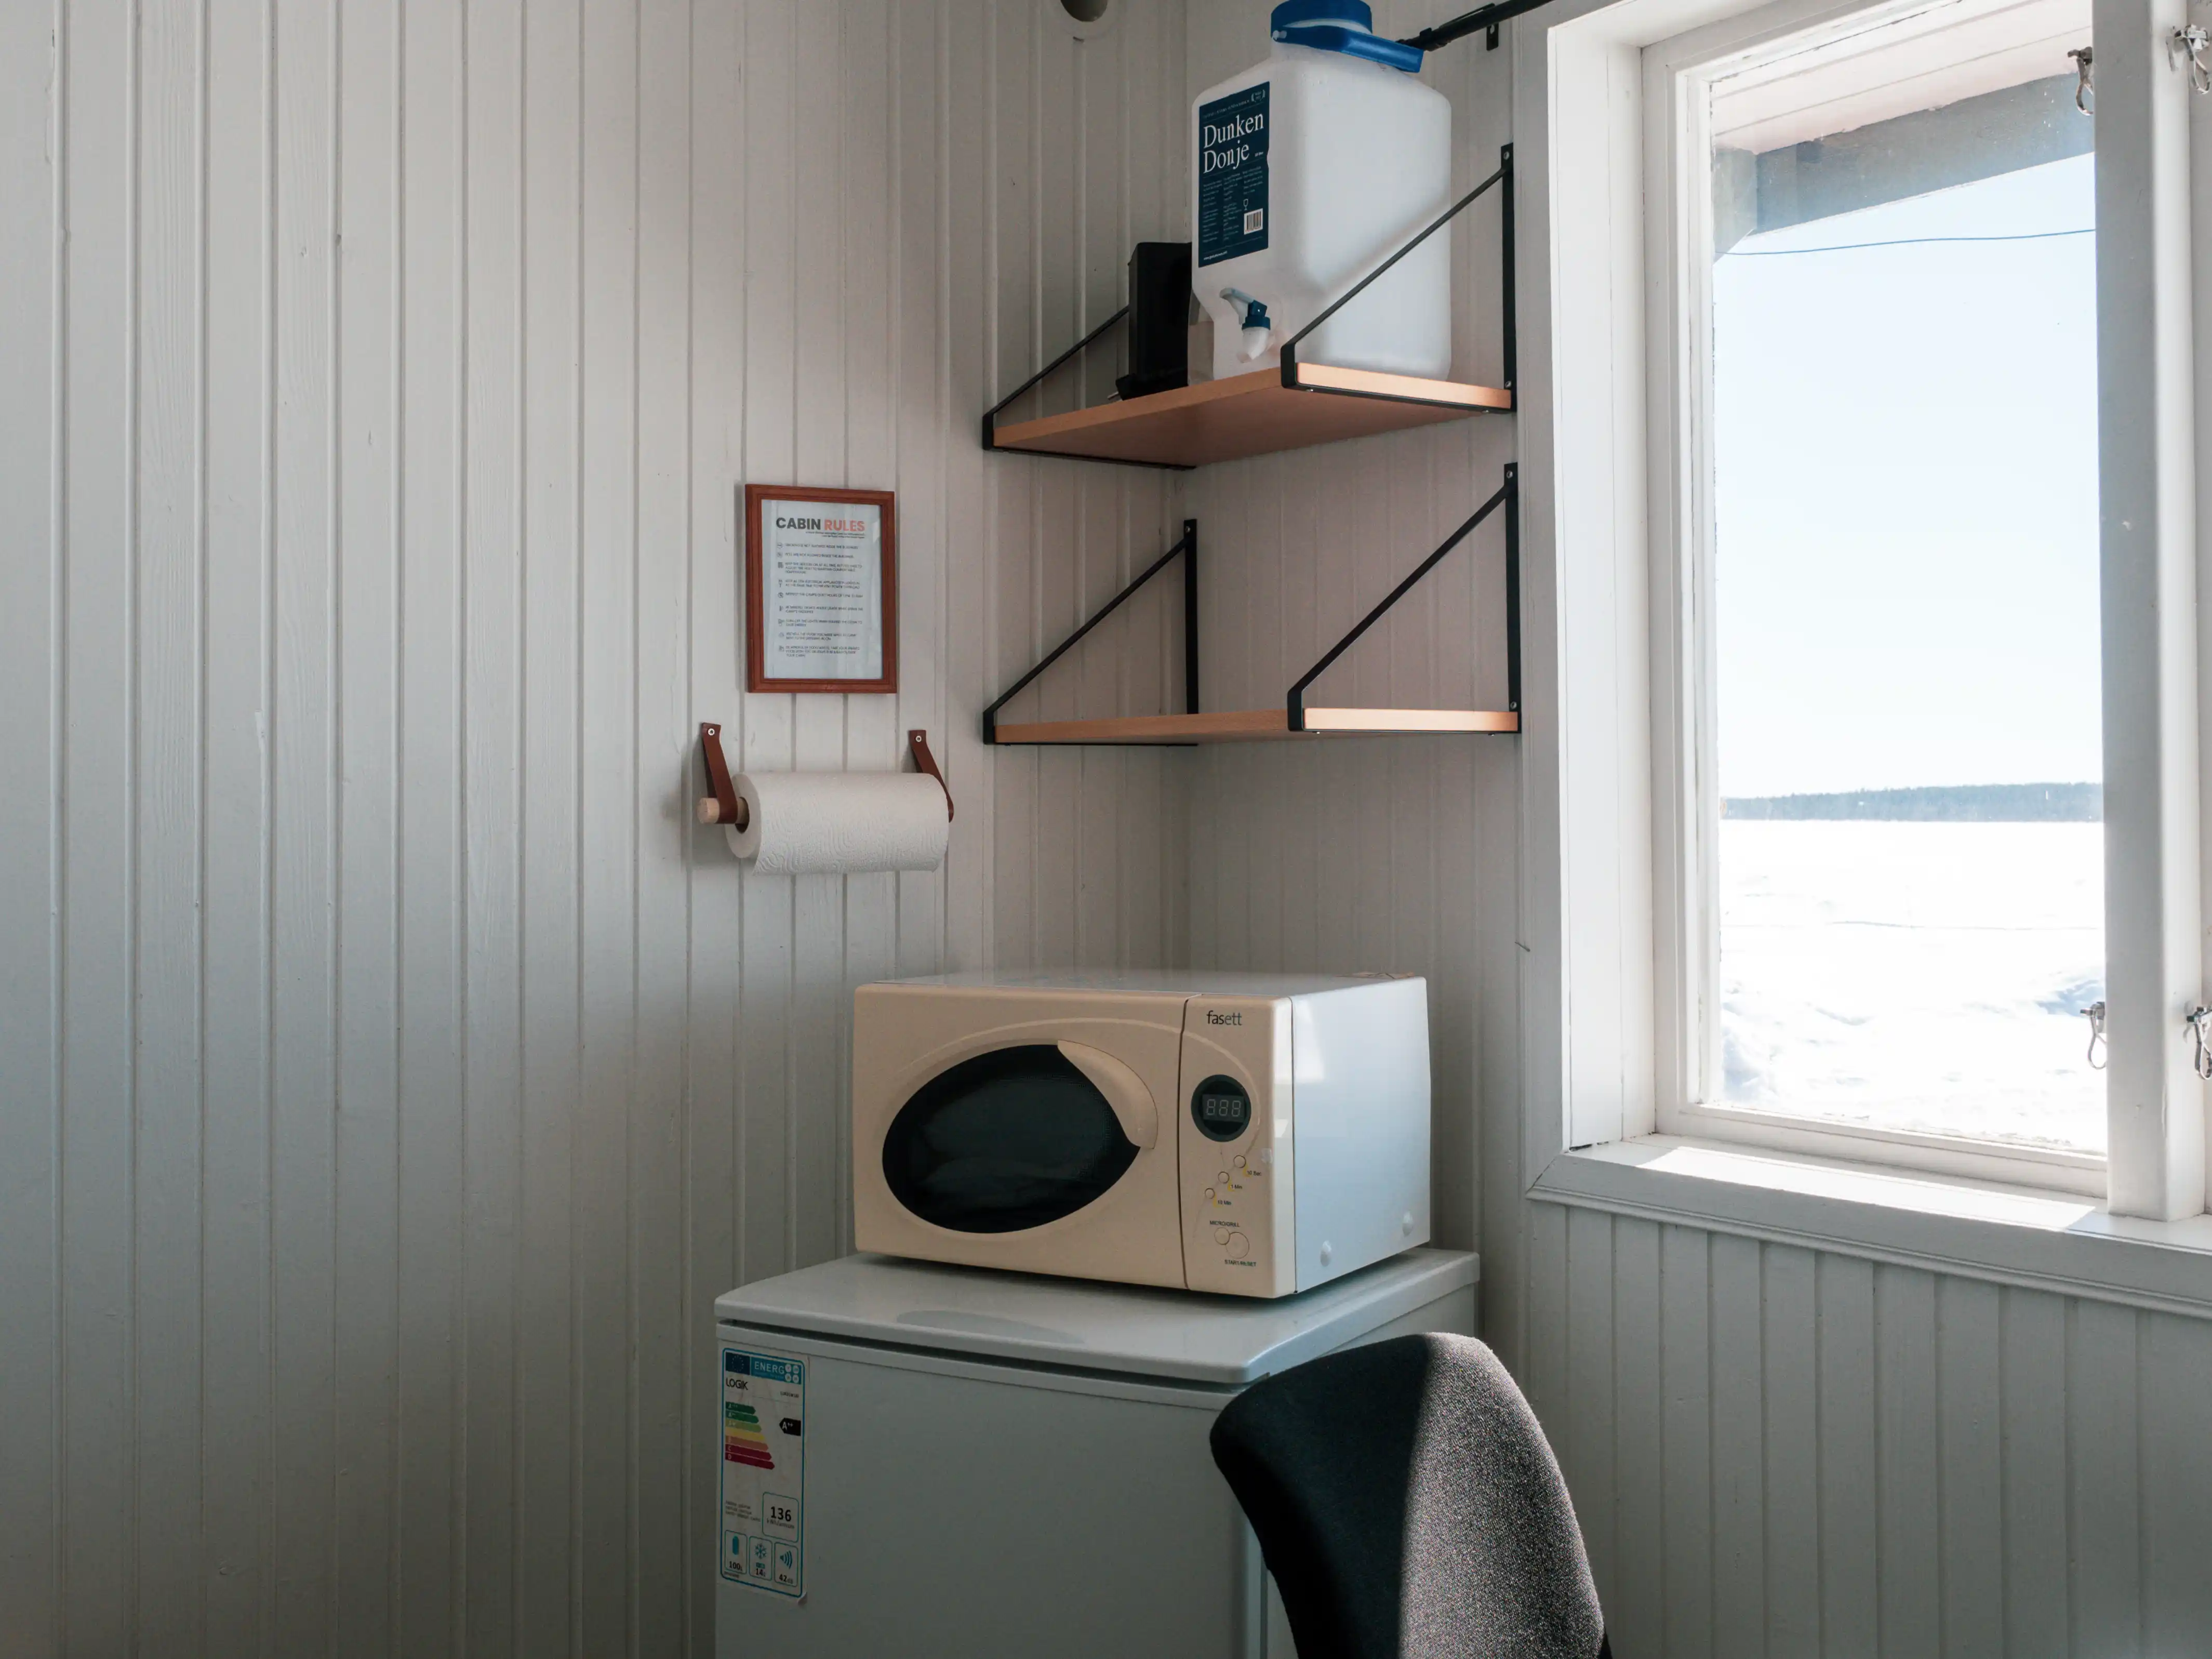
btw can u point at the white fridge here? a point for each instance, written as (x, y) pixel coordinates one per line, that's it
(935, 1461)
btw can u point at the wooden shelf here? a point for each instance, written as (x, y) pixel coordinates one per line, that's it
(1253, 414)
(1259, 726)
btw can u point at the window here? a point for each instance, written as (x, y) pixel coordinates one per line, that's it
(1644, 716)
(1894, 762)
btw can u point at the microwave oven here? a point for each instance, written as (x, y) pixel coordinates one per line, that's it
(1250, 1134)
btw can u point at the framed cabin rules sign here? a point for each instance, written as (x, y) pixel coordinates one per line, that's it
(821, 589)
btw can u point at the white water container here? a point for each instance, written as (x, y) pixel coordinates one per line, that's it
(1309, 171)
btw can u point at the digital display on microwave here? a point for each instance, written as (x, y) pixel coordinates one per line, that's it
(1221, 1108)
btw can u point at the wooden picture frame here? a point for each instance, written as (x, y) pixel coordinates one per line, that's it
(767, 541)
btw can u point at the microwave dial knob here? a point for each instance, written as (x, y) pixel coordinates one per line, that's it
(1406, 1224)
(1327, 1253)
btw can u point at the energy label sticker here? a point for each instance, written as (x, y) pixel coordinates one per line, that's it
(763, 1464)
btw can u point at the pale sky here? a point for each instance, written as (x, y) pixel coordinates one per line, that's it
(1906, 498)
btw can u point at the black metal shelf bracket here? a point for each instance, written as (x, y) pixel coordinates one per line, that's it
(991, 415)
(1188, 546)
(1508, 496)
(1504, 179)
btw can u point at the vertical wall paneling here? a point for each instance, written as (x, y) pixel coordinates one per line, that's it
(365, 1565)
(715, 1143)
(429, 494)
(1850, 1599)
(100, 344)
(612, 777)
(1380, 854)
(919, 257)
(390, 1073)
(1587, 1448)
(2104, 1519)
(2032, 1372)
(823, 356)
(1824, 1455)
(1831, 1456)
(552, 1238)
(1907, 1472)
(869, 922)
(1683, 1520)
(167, 823)
(769, 385)
(2174, 1465)
(1739, 1447)
(1086, 156)
(492, 288)
(666, 1344)
(1544, 1366)
(302, 760)
(1969, 1407)
(1790, 1370)
(1640, 1383)
(964, 664)
(236, 109)
(33, 582)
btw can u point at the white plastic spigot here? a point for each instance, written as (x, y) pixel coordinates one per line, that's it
(1252, 341)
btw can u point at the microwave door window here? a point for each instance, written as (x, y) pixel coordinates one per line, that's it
(1011, 1139)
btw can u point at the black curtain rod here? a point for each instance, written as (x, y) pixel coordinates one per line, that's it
(1485, 18)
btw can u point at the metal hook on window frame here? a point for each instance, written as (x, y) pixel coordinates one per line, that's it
(2200, 1041)
(2094, 1013)
(2085, 86)
(2192, 41)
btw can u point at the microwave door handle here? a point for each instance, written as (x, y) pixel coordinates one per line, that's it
(1124, 1089)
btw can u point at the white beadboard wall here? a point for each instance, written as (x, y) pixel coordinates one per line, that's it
(390, 1075)
(1784, 1452)
(1773, 1451)
(1370, 854)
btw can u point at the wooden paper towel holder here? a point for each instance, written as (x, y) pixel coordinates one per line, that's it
(723, 806)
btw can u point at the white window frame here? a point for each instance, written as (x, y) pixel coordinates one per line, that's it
(1611, 820)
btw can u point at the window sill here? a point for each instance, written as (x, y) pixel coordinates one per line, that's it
(1981, 1229)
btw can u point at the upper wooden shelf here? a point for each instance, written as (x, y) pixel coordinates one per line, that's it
(1254, 413)
(1258, 726)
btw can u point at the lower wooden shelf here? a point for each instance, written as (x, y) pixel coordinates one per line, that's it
(1258, 726)
(1253, 414)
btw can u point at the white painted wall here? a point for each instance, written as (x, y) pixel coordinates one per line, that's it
(1390, 853)
(1780, 1451)
(390, 1075)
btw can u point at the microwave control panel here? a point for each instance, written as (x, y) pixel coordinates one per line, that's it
(1234, 1141)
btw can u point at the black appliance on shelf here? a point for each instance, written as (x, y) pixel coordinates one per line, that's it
(1159, 320)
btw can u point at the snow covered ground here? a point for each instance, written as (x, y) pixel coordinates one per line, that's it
(1925, 976)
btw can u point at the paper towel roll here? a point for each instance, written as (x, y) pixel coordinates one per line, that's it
(810, 823)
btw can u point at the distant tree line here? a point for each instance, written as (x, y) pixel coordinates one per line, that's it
(1971, 803)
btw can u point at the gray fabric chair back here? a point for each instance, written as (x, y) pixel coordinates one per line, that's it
(1410, 1508)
